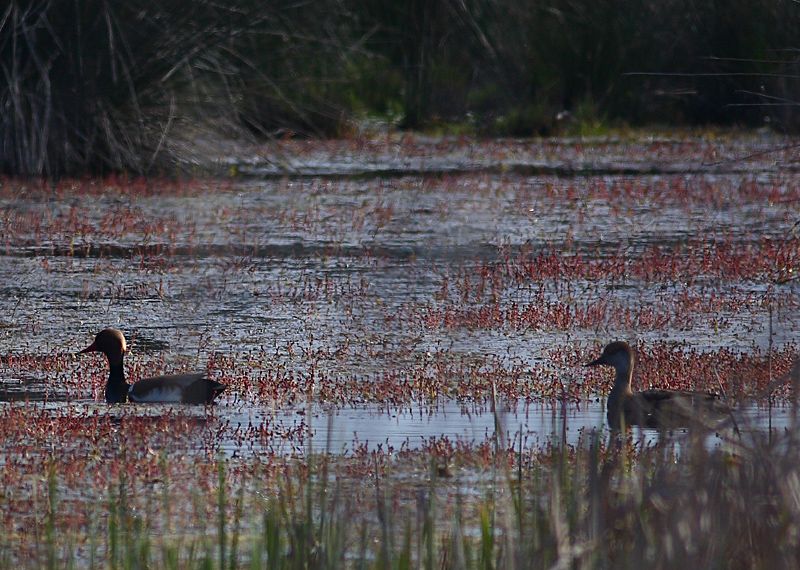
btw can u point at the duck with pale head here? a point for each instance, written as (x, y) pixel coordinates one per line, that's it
(192, 388)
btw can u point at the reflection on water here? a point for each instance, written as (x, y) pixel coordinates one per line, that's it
(409, 427)
(340, 429)
(300, 430)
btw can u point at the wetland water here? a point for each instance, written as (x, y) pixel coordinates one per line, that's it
(391, 284)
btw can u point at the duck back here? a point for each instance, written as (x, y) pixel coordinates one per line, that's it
(679, 408)
(177, 388)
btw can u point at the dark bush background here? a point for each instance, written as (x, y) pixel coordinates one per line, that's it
(91, 86)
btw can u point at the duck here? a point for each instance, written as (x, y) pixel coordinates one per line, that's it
(193, 388)
(652, 408)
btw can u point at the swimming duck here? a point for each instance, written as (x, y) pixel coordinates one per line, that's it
(652, 408)
(178, 388)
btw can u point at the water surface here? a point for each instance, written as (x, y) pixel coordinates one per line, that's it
(365, 279)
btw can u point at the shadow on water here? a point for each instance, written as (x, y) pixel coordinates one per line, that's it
(23, 395)
(20, 388)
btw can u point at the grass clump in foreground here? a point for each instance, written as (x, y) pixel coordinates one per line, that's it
(598, 504)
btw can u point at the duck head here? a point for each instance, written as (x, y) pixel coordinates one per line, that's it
(617, 354)
(110, 342)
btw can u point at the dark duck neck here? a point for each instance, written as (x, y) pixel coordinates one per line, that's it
(116, 387)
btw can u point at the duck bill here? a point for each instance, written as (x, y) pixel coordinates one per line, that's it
(596, 362)
(91, 348)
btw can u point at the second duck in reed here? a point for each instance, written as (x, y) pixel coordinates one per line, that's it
(652, 408)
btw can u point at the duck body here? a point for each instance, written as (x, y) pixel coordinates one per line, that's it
(187, 388)
(661, 408)
(192, 388)
(652, 408)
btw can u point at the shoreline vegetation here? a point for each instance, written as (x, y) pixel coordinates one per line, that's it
(603, 502)
(93, 87)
